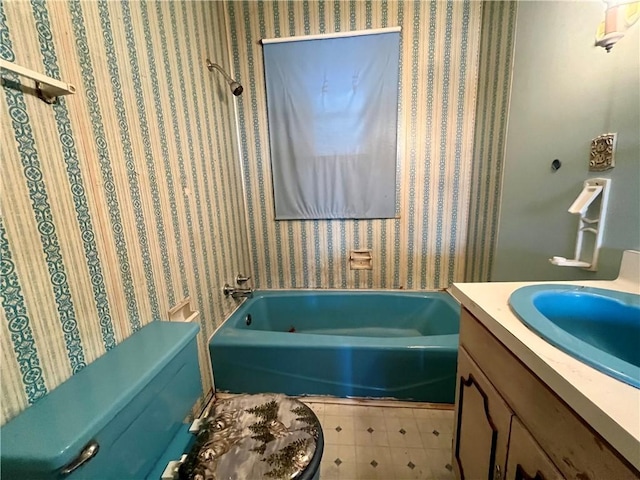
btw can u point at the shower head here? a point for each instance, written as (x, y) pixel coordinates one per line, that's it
(236, 88)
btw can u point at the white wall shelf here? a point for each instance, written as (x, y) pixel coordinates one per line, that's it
(592, 189)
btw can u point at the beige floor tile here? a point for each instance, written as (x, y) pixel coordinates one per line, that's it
(337, 422)
(343, 437)
(376, 438)
(347, 452)
(338, 430)
(403, 432)
(422, 413)
(439, 459)
(427, 424)
(444, 413)
(348, 469)
(391, 412)
(318, 408)
(329, 454)
(355, 447)
(371, 411)
(410, 463)
(443, 417)
(431, 440)
(354, 409)
(339, 409)
(333, 409)
(362, 438)
(410, 439)
(426, 413)
(444, 425)
(330, 451)
(396, 423)
(329, 471)
(366, 422)
(380, 439)
(373, 463)
(339, 461)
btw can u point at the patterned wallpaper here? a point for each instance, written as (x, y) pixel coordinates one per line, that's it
(425, 247)
(494, 86)
(119, 201)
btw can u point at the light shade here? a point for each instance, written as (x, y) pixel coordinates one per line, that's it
(619, 16)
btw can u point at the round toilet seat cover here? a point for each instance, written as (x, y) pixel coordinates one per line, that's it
(253, 436)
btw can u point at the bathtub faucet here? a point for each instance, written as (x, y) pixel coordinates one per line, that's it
(237, 292)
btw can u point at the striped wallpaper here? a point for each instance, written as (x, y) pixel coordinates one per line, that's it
(121, 200)
(425, 247)
(494, 86)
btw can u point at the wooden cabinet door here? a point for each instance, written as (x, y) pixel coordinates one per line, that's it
(576, 449)
(526, 460)
(483, 420)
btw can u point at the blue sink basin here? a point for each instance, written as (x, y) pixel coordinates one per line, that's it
(599, 327)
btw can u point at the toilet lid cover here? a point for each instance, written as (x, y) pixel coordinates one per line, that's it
(253, 436)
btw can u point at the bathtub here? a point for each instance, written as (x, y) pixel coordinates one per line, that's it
(382, 344)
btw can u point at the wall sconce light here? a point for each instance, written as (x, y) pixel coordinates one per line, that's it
(618, 17)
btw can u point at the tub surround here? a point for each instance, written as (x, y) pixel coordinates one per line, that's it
(610, 407)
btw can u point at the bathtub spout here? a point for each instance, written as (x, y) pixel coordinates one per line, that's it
(228, 290)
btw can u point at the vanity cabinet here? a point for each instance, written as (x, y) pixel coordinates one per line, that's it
(510, 425)
(527, 460)
(483, 422)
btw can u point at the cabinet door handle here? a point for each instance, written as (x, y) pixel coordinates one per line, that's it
(498, 474)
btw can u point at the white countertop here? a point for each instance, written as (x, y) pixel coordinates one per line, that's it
(611, 407)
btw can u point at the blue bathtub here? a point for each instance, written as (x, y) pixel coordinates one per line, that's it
(399, 345)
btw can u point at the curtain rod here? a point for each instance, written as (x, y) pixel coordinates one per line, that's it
(323, 36)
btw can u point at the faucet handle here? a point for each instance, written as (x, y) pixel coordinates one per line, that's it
(227, 290)
(240, 279)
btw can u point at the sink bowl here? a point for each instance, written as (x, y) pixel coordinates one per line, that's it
(598, 327)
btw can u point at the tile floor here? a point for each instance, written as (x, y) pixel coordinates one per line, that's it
(396, 441)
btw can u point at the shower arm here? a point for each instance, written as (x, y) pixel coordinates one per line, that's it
(236, 88)
(211, 66)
